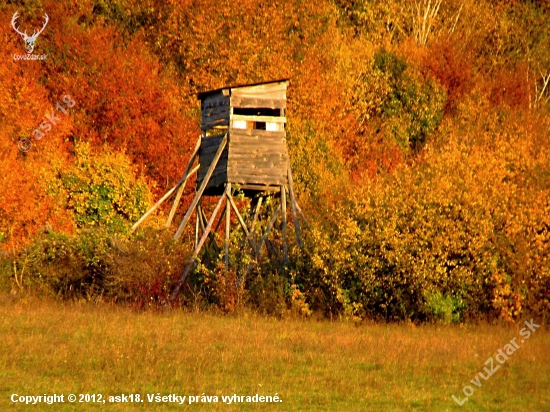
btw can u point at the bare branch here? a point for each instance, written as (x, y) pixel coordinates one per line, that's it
(426, 13)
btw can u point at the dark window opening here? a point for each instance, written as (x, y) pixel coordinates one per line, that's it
(257, 112)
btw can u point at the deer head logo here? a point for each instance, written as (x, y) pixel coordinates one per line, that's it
(29, 40)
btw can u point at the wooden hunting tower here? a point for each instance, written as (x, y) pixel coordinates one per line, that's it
(252, 117)
(242, 147)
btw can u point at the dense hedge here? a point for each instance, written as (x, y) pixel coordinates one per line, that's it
(419, 150)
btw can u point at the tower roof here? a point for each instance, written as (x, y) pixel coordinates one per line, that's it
(202, 95)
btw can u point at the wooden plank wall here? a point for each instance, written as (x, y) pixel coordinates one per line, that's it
(215, 110)
(207, 151)
(257, 157)
(272, 95)
(253, 157)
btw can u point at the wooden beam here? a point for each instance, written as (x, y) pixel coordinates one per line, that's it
(255, 217)
(283, 211)
(212, 235)
(202, 226)
(180, 184)
(162, 199)
(272, 251)
(264, 238)
(252, 102)
(185, 175)
(260, 188)
(294, 205)
(227, 229)
(301, 214)
(193, 260)
(197, 225)
(201, 189)
(267, 230)
(241, 220)
(211, 124)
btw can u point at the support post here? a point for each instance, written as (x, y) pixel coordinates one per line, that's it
(283, 210)
(264, 237)
(211, 236)
(227, 229)
(267, 230)
(197, 224)
(193, 260)
(202, 226)
(241, 220)
(294, 206)
(255, 218)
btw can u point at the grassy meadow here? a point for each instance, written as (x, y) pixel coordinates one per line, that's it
(50, 347)
(417, 134)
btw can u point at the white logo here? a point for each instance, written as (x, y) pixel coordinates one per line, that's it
(29, 40)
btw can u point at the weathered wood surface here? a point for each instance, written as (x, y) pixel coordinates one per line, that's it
(215, 114)
(221, 167)
(216, 99)
(207, 153)
(235, 133)
(244, 144)
(209, 141)
(260, 187)
(257, 169)
(179, 185)
(193, 260)
(246, 179)
(257, 157)
(248, 118)
(253, 102)
(227, 228)
(283, 224)
(252, 156)
(294, 206)
(206, 150)
(257, 148)
(179, 193)
(215, 108)
(240, 219)
(216, 181)
(271, 91)
(211, 124)
(201, 189)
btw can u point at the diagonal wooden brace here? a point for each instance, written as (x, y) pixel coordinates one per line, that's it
(186, 174)
(193, 260)
(201, 189)
(180, 184)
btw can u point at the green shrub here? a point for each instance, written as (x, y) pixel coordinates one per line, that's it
(102, 191)
(94, 264)
(446, 309)
(458, 235)
(66, 266)
(395, 96)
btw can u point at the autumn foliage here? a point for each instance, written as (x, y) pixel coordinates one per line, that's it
(420, 152)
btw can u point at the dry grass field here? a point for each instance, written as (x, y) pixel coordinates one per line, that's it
(50, 347)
